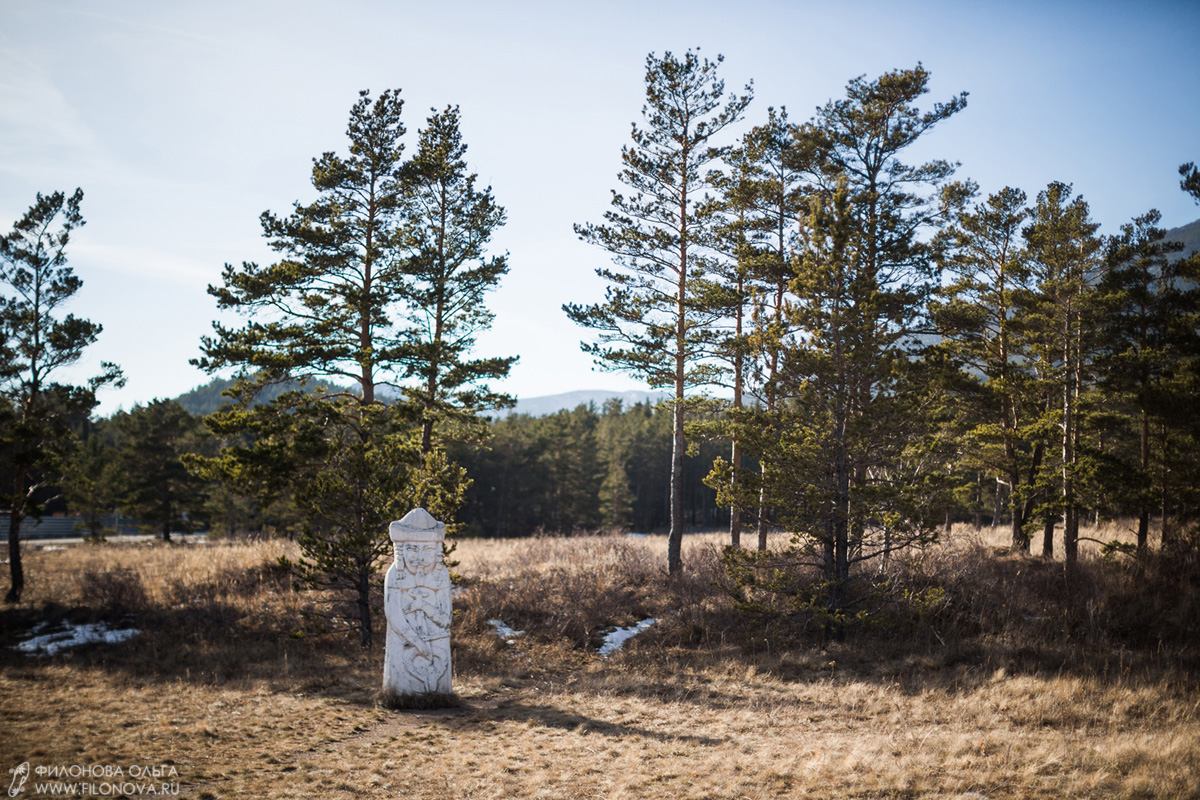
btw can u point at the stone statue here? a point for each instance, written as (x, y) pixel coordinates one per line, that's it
(416, 602)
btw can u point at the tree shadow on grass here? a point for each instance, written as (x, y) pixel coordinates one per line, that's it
(549, 716)
(213, 645)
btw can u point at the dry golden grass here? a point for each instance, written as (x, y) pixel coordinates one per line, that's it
(234, 684)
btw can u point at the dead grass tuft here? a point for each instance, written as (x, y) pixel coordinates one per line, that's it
(117, 591)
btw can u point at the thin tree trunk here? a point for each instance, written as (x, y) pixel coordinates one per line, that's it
(1039, 452)
(1070, 512)
(978, 500)
(364, 607)
(1020, 512)
(1071, 535)
(1143, 531)
(762, 518)
(735, 520)
(15, 570)
(735, 452)
(675, 538)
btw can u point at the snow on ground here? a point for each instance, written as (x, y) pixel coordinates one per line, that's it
(503, 631)
(614, 640)
(49, 644)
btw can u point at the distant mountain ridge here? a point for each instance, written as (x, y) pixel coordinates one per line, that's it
(1189, 235)
(207, 398)
(548, 404)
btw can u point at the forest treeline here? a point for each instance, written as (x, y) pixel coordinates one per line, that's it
(581, 470)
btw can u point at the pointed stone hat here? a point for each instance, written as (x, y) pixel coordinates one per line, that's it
(417, 526)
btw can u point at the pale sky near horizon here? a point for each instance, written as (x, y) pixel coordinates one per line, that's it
(183, 121)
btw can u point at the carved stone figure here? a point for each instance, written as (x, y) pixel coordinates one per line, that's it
(416, 602)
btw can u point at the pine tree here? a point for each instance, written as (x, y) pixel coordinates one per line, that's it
(652, 322)
(158, 490)
(37, 341)
(762, 197)
(330, 309)
(614, 448)
(91, 481)
(447, 223)
(1150, 301)
(1191, 180)
(1064, 257)
(327, 308)
(976, 315)
(848, 451)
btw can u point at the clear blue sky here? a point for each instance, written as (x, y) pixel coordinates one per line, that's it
(183, 121)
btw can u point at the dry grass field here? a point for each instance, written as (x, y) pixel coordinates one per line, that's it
(1027, 682)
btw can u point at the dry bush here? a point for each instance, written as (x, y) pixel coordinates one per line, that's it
(969, 600)
(564, 588)
(1091, 615)
(115, 591)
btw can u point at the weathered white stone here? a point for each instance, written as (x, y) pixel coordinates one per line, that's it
(416, 600)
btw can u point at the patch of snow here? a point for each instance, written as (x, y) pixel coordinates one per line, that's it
(637, 535)
(49, 644)
(49, 547)
(503, 631)
(615, 639)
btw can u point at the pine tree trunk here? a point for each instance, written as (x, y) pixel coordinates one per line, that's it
(675, 538)
(841, 510)
(1143, 531)
(1026, 509)
(1020, 540)
(363, 588)
(1071, 535)
(735, 452)
(735, 520)
(762, 518)
(15, 569)
(1069, 424)
(678, 445)
(978, 500)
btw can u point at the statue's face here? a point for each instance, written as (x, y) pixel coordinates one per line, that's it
(421, 557)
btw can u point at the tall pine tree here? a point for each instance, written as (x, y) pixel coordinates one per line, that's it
(1064, 256)
(331, 309)
(1149, 335)
(653, 321)
(37, 341)
(446, 225)
(846, 450)
(975, 313)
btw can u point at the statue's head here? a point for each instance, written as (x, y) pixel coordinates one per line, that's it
(418, 541)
